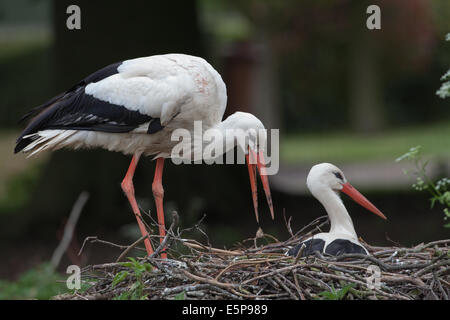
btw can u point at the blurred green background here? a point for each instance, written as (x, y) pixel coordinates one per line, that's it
(337, 91)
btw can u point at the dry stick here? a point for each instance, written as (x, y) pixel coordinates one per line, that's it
(431, 266)
(69, 228)
(415, 249)
(288, 223)
(289, 268)
(346, 265)
(127, 248)
(383, 265)
(440, 286)
(442, 280)
(432, 291)
(190, 266)
(197, 227)
(317, 282)
(103, 266)
(337, 277)
(166, 238)
(249, 261)
(271, 236)
(316, 223)
(131, 246)
(203, 286)
(279, 278)
(94, 239)
(84, 242)
(186, 288)
(297, 286)
(225, 293)
(299, 253)
(444, 271)
(403, 278)
(210, 281)
(436, 242)
(147, 226)
(275, 285)
(335, 268)
(255, 296)
(189, 243)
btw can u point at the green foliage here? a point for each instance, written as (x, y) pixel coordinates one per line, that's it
(181, 296)
(439, 190)
(19, 189)
(119, 277)
(40, 282)
(137, 267)
(137, 271)
(335, 294)
(444, 90)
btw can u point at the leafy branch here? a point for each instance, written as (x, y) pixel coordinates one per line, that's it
(444, 90)
(135, 291)
(439, 190)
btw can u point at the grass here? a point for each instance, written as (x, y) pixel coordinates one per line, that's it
(343, 146)
(40, 282)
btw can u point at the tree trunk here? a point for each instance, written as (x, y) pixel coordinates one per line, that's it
(366, 107)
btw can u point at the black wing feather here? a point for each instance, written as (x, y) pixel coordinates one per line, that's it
(335, 248)
(94, 77)
(76, 110)
(342, 246)
(311, 246)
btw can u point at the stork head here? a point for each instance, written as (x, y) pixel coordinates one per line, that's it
(325, 176)
(247, 126)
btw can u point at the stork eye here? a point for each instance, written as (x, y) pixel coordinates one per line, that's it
(338, 175)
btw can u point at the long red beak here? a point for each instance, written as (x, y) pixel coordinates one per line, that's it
(253, 163)
(349, 190)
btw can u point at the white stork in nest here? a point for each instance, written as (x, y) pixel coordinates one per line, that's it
(325, 181)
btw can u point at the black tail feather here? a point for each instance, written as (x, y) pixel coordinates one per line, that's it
(76, 110)
(21, 144)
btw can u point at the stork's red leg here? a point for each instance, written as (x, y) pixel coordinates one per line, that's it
(128, 188)
(158, 194)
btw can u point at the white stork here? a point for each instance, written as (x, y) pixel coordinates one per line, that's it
(325, 181)
(133, 107)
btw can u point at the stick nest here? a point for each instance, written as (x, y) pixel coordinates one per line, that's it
(251, 271)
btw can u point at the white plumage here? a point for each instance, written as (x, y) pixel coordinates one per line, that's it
(178, 89)
(133, 107)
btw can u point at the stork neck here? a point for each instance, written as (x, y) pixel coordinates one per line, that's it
(227, 128)
(340, 220)
(222, 140)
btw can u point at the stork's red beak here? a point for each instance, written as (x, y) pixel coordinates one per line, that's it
(257, 162)
(349, 190)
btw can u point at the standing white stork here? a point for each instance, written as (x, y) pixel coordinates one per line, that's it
(325, 181)
(133, 107)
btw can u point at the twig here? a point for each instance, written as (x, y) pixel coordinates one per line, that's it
(94, 239)
(167, 237)
(131, 246)
(210, 281)
(69, 228)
